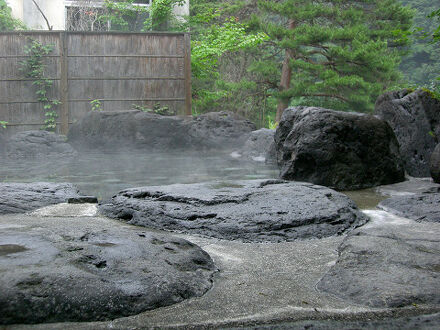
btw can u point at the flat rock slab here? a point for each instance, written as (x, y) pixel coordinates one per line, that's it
(251, 211)
(25, 197)
(409, 187)
(390, 264)
(419, 207)
(61, 269)
(270, 283)
(420, 322)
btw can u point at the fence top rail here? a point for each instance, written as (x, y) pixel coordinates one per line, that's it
(151, 33)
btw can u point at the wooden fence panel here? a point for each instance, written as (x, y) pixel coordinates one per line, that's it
(119, 69)
(18, 102)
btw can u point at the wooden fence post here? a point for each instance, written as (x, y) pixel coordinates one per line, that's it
(64, 87)
(187, 43)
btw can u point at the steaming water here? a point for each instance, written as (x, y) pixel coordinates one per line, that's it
(103, 175)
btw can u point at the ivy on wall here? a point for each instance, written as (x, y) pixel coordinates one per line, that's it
(34, 67)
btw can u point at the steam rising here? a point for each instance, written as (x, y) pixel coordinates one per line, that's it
(104, 174)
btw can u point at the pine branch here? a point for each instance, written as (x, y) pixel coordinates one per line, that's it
(328, 95)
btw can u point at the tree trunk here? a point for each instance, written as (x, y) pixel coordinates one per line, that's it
(286, 74)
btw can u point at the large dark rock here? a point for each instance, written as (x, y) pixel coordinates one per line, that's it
(222, 130)
(415, 119)
(38, 145)
(344, 151)
(142, 130)
(388, 264)
(435, 164)
(128, 129)
(252, 211)
(54, 270)
(24, 197)
(259, 146)
(419, 207)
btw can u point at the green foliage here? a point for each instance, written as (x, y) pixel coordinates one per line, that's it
(216, 36)
(271, 123)
(342, 55)
(126, 15)
(96, 105)
(434, 93)
(3, 124)
(7, 22)
(157, 108)
(421, 66)
(345, 54)
(231, 36)
(436, 33)
(123, 15)
(161, 15)
(34, 67)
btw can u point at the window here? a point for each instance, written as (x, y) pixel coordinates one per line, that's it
(85, 19)
(90, 15)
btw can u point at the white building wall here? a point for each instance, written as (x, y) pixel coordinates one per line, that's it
(16, 7)
(52, 9)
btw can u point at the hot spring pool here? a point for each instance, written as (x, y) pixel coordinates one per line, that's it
(104, 174)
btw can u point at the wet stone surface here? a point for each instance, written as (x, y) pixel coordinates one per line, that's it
(24, 197)
(38, 145)
(411, 114)
(420, 207)
(392, 262)
(341, 150)
(61, 269)
(251, 211)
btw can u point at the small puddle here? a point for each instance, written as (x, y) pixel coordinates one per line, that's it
(365, 199)
(6, 249)
(104, 244)
(221, 185)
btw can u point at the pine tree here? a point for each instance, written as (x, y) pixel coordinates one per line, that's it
(422, 65)
(334, 53)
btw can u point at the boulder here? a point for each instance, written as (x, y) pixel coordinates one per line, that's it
(250, 211)
(128, 130)
(387, 264)
(259, 145)
(143, 130)
(419, 207)
(224, 130)
(415, 119)
(53, 270)
(38, 145)
(344, 151)
(435, 164)
(24, 197)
